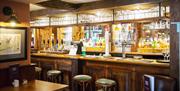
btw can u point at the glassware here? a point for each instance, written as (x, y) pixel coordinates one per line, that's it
(166, 55)
(83, 51)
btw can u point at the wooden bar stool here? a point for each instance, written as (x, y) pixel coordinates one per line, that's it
(83, 81)
(106, 84)
(38, 72)
(45, 68)
(53, 75)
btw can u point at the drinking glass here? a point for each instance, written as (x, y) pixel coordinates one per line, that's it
(165, 55)
(168, 55)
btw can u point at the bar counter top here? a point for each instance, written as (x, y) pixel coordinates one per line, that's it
(120, 60)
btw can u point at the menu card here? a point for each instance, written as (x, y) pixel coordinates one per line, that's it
(148, 83)
(73, 51)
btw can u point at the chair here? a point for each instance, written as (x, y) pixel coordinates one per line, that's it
(14, 72)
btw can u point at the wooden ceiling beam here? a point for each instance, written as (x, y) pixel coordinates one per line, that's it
(58, 4)
(88, 6)
(113, 3)
(46, 12)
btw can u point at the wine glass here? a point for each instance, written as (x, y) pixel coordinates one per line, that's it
(168, 55)
(165, 54)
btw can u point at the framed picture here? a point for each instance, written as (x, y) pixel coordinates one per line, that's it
(13, 44)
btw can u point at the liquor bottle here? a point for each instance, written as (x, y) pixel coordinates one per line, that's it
(86, 31)
(83, 50)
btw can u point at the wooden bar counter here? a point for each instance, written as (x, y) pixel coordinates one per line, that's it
(127, 72)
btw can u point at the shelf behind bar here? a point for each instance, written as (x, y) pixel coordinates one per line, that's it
(130, 53)
(144, 20)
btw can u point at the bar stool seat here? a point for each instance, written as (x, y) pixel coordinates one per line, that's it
(105, 83)
(53, 72)
(53, 75)
(83, 80)
(33, 64)
(38, 69)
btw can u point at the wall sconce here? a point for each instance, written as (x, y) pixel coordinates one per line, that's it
(7, 11)
(13, 20)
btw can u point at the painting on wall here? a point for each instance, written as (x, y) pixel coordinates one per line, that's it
(13, 44)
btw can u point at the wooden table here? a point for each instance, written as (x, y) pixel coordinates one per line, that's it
(37, 85)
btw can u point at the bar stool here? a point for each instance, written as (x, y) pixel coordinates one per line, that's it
(53, 75)
(106, 84)
(83, 80)
(45, 68)
(38, 72)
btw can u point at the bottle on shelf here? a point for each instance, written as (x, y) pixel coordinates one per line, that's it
(83, 49)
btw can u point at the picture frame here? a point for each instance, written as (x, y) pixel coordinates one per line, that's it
(13, 44)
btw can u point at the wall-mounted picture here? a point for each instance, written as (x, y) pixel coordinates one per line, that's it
(12, 43)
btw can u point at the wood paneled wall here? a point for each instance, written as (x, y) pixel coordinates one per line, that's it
(174, 36)
(22, 13)
(21, 10)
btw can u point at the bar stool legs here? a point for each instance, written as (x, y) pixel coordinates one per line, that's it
(83, 86)
(105, 88)
(38, 72)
